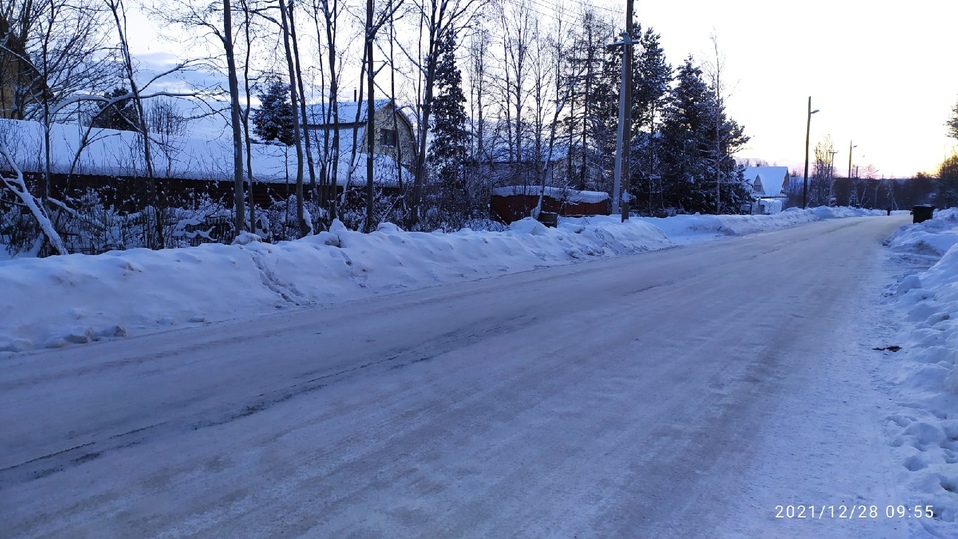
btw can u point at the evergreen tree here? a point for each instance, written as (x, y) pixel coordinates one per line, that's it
(952, 123)
(120, 114)
(696, 146)
(947, 196)
(450, 140)
(685, 140)
(651, 77)
(273, 120)
(448, 148)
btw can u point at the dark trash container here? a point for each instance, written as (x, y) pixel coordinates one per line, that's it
(549, 218)
(921, 213)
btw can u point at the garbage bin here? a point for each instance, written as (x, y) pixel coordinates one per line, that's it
(549, 218)
(921, 213)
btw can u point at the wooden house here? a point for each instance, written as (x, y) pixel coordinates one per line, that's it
(769, 187)
(394, 135)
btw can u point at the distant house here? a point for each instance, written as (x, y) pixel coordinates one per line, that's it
(394, 134)
(17, 74)
(769, 188)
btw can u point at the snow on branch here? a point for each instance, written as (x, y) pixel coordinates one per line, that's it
(19, 188)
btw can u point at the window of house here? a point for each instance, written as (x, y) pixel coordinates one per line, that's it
(387, 137)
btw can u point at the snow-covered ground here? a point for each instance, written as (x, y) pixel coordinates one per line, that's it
(60, 300)
(808, 442)
(920, 371)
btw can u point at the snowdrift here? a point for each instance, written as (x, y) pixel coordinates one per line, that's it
(56, 301)
(924, 372)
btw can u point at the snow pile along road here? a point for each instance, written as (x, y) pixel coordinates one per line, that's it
(922, 374)
(693, 228)
(60, 300)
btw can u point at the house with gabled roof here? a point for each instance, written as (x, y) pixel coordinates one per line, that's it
(769, 188)
(394, 134)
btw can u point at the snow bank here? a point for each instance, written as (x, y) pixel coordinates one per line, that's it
(692, 228)
(933, 237)
(924, 373)
(61, 300)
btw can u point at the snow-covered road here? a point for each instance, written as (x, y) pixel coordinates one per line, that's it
(683, 392)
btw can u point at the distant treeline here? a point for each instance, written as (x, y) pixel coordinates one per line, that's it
(870, 193)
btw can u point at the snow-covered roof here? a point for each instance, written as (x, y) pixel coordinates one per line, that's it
(119, 153)
(558, 193)
(316, 113)
(767, 181)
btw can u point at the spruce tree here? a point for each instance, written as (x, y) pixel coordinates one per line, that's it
(652, 75)
(120, 114)
(691, 161)
(450, 141)
(273, 120)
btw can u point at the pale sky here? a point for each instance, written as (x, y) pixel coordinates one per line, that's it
(883, 75)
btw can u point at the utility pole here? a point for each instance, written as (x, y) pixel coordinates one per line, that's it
(850, 148)
(808, 129)
(622, 168)
(370, 118)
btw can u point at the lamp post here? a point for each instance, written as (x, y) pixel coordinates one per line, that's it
(808, 127)
(850, 148)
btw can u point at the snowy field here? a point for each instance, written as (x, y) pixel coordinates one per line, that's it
(56, 301)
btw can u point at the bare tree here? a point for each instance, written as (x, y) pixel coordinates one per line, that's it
(374, 23)
(118, 10)
(302, 101)
(218, 23)
(248, 10)
(50, 51)
(478, 74)
(304, 226)
(329, 12)
(519, 30)
(824, 171)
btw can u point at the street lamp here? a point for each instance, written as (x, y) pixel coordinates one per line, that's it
(850, 148)
(808, 127)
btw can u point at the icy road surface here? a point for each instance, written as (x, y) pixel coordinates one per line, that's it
(680, 393)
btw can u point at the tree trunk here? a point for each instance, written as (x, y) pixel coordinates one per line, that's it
(238, 183)
(302, 105)
(300, 214)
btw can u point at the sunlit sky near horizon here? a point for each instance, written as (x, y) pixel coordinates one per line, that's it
(882, 75)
